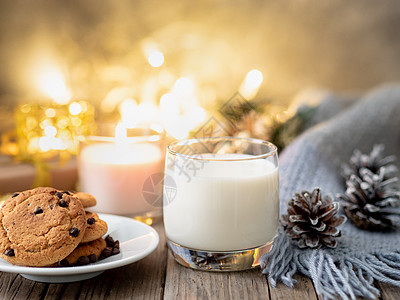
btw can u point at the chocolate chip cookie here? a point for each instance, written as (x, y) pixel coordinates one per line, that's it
(40, 227)
(87, 199)
(95, 227)
(85, 253)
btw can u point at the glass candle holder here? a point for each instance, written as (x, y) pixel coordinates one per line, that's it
(124, 172)
(221, 202)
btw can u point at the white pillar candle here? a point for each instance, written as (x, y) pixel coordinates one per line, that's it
(225, 205)
(114, 172)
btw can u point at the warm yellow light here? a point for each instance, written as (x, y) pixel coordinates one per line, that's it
(50, 143)
(62, 122)
(114, 98)
(251, 84)
(33, 145)
(183, 87)
(179, 117)
(133, 115)
(76, 121)
(26, 108)
(50, 112)
(84, 106)
(49, 140)
(149, 221)
(147, 113)
(254, 78)
(45, 143)
(171, 118)
(128, 111)
(45, 123)
(196, 115)
(50, 131)
(52, 83)
(156, 59)
(157, 127)
(31, 123)
(177, 131)
(120, 133)
(75, 108)
(169, 105)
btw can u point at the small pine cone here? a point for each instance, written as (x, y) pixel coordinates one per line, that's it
(371, 201)
(373, 161)
(312, 220)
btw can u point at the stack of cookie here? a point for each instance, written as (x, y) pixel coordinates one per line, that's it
(47, 227)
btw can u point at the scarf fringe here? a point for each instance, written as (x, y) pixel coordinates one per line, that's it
(348, 277)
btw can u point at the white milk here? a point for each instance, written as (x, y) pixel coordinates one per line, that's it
(225, 205)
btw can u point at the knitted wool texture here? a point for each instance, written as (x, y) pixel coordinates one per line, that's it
(314, 159)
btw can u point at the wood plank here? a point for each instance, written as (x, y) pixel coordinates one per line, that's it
(14, 286)
(159, 276)
(304, 289)
(185, 283)
(388, 291)
(144, 279)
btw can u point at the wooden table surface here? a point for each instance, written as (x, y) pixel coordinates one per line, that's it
(158, 276)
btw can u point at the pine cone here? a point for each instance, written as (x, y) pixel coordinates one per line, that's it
(373, 161)
(371, 201)
(312, 220)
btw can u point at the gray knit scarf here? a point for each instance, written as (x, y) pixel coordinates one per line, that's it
(314, 160)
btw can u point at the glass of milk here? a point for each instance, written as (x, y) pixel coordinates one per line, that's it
(221, 201)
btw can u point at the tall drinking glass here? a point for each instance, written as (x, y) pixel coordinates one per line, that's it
(221, 202)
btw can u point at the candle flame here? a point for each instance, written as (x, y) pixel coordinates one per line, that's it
(120, 134)
(128, 112)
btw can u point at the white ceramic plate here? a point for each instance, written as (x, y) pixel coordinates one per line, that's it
(137, 240)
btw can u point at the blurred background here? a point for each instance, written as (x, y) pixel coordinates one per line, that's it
(65, 64)
(99, 46)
